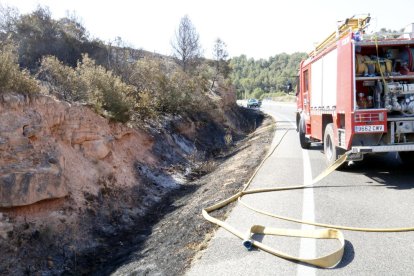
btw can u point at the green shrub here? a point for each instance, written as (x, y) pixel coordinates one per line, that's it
(12, 79)
(162, 87)
(145, 105)
(153, 86)
(106, 91)
(149, 78)
(186, 93)
(64, 82)
(90, 83)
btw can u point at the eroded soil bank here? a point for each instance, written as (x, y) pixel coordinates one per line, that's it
(179, 233)
(82, 195)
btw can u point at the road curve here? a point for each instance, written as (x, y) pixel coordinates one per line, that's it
(376, 193)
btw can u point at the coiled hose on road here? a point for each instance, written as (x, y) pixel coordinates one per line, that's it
(331, 231)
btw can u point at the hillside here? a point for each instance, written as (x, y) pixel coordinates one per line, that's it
(265, 77)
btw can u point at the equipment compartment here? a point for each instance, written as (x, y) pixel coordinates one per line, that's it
(384, 76)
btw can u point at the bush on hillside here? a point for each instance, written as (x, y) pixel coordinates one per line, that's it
(12, 79)
(63, 81)
(162, 87)
(106, 91)
(154, 86)
(89, 83)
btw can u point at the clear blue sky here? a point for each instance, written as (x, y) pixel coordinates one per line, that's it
(256, 28)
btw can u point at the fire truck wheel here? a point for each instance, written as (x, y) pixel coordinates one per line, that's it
(304, 141)
(407, 157)
(329, 145)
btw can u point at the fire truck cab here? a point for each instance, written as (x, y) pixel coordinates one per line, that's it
(356, 93)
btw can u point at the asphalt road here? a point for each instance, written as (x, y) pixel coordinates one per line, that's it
(377, 193)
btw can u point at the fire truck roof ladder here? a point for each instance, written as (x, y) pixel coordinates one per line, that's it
(349, 25)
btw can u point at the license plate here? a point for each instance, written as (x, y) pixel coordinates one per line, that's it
(355, 157)
(369, 128)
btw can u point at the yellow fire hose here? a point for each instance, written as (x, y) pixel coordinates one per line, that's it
(331, 231)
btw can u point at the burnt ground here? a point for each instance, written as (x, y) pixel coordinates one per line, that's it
(173, 233)
(143, 230)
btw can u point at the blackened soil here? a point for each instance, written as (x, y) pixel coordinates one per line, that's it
(175, 231)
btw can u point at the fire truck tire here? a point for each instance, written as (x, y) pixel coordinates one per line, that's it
(304, 141)
(329, 148)
(407, 157)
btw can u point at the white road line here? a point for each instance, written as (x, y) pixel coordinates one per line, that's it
(307, 246)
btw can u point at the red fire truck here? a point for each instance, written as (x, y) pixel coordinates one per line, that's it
(356, 93)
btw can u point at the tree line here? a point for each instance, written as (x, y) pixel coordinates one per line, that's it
(276, 75)
(256, 78)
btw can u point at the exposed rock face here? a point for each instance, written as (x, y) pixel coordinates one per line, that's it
(27, 175)
(32, 184)
(49, 149)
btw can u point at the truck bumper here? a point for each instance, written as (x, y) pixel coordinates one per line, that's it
(389, 148)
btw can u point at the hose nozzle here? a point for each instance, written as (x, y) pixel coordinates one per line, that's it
(248, 244)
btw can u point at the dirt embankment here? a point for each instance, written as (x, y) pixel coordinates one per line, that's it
(178, 233)
(77, 191)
